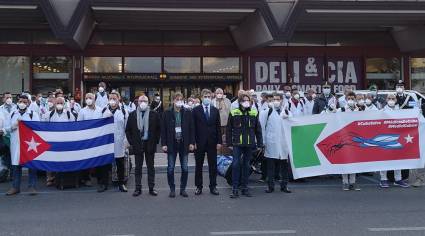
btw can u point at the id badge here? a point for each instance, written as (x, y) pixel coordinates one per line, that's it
(178, 129)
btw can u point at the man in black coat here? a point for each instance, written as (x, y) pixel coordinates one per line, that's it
(206, 119)
(322, 103)
(177, 137)
(143, 133)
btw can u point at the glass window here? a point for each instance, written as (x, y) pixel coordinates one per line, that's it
(384, 72)
(308, 39)
(221, 65)
(182, 64)
(216, 38)
(52, 67)
(15, 37)
(142, 64)
(106, 38)
(12, 69)
(359, 38)
(44, 37)
(417, 74)
(182, 38)
(102, 65)
(142, 38)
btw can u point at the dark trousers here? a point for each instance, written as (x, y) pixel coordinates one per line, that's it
(211, 151)
(139, 158)
(102, 173)
(172, 156)
(283, 169)
(120, 169)
(240, 167)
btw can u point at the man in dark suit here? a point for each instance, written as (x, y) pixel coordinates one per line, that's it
(143, 133)
(177, 137)
(206, 119)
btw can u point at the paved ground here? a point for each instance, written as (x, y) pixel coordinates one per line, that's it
(318, 207)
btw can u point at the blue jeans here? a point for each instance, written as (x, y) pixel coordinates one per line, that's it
(241, 159)
(172, 156)
(17, 175)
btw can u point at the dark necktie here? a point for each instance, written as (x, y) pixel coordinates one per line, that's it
(278, 111)
(207, 113)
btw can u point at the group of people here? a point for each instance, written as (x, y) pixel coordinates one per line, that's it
(203, 125)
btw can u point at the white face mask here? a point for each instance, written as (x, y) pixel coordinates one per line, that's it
(89, 101)
(391, 103)
(246, 104)
(158, 99)
(219, 96)
(8, 101)
(297, 96)
(361, 102)
(112, 102)
(399, 90)
(143, 106)
(179, 104)
(101, 90)
(287, 94)
(270, 104)
(368, 102)
(314, 96)
(351, 103)
(22, 105)
(276, 104)
(326, 91)
(59, 107)
(50, 104)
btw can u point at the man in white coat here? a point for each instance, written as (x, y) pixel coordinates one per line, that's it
(101, 96)
(120, 121)
(8, 106)
(89, 112)
(276, 150)
(22, 114)
(295, 105)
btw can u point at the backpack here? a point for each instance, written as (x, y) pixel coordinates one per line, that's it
(68, 113)
(122, 109)
(31, 115)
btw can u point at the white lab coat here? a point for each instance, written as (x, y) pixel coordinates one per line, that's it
(387, 108)
(89, 114)
(2, 122)
(308, 107)
(5, 112)
(101, 101)
(130, 107)
(120, 122)
(12, 128)
(372, 107)
(273, 134)
(62, 117)
(296, 111)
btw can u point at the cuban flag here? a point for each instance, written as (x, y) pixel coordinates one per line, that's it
(66, 146)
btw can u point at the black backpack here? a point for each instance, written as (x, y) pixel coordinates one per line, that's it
(68, 113)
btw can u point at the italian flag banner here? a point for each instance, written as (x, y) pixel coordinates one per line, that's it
(355, 142)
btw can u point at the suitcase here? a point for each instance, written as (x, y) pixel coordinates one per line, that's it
(65, 180)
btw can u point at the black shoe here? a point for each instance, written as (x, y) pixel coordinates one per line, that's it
(153, 192)
(234, 194)
(269, 190)
(183, 193)
(198, 191)
(102, 188)
(172, 194)
(122, 188)
(246, 193)
(285, 189)
(214, 191)
(137, 192)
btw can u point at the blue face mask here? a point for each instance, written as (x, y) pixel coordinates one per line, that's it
(206, 101)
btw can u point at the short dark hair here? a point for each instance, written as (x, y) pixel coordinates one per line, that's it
(23, 96)
(177, 94)
(276, 94)
(7, 93)
(351, 94)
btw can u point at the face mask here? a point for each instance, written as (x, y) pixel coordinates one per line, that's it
(314, 96)
(158, 98)
(246, 104)
(287, 94)
(361, 102)
(112, 102)
(190, 104)
(391, 103)
(368, 102)
(270, 104)
(326, 91)
(143, 106)
(101, 90)
(350, 103)
(89, 101)
(297, 96)
(206, 101)
(59, 107)
(399, 90)
(179, 104)
(22, 105)
(8, 101)
(276, 104)
(219, 96)
(50, 104)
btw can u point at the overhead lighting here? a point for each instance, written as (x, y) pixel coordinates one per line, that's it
(223, 10)
(364, 11)
(21, 7)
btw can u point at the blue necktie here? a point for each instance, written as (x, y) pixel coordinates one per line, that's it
(207, 113)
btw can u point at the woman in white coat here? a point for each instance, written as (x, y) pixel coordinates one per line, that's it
(22, 114)
(276, 150)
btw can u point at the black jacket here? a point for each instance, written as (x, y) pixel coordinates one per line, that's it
(244, 129)
(403, 102)
(134, 136)
(168, 129)
(321, 104)
(207, 132)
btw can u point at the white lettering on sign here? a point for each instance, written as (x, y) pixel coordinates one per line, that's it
(261, 72)
(311, 68)
(274, 72)
(336, 72)
(296, 70)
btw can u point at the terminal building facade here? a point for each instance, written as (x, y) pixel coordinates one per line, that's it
(168, 46)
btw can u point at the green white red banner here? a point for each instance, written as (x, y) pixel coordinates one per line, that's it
(355, 142)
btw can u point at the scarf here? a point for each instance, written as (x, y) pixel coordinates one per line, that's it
(143, 122)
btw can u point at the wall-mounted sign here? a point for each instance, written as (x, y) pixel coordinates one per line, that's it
(170, 77)
(305, 73)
